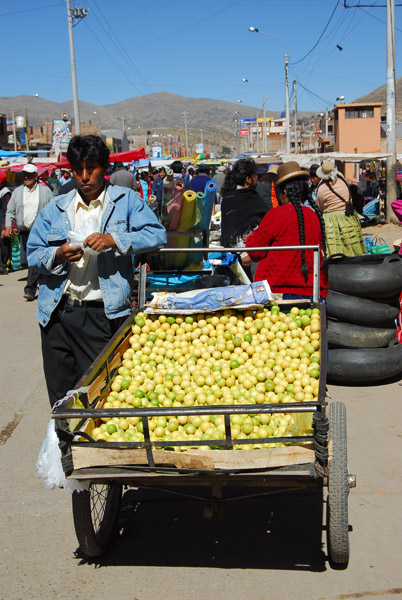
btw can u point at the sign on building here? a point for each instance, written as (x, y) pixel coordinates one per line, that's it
(61, 136)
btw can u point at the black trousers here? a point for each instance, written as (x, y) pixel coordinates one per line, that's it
(71, 341)
(33, 275)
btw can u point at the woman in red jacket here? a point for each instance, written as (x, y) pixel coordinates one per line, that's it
(290, 272)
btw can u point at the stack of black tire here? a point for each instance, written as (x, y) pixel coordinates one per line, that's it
(362, 305)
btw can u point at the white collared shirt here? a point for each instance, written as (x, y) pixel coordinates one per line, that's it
(30, 205)
(83, 279)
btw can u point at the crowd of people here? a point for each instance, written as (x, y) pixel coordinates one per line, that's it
(245, 191)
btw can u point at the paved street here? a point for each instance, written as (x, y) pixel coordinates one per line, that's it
(262, 549)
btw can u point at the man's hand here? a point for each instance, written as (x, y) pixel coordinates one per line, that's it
(246, 261)
(68, 253)
(7, 231)
(100, 241)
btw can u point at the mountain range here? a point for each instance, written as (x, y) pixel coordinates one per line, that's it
(163, 111)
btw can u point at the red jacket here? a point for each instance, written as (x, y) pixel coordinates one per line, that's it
(282, 269)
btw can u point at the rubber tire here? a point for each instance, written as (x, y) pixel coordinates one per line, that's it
(348, 335)
(95, 543)
(362, 367)
(368, 276)
(362, 311)
(338, 488)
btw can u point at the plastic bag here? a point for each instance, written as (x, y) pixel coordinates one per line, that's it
(78, 237)
(49, 466)
(379, 247)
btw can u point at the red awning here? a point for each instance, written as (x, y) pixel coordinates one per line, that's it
(131, 155)
(128, 156)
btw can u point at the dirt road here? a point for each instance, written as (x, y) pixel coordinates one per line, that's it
(263, 548)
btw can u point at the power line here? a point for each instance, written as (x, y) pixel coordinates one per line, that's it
(17, 12)
(319, 39)
(377, 19)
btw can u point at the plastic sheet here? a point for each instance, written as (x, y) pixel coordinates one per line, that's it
(175, 205)
(187, 213)
(209, 199)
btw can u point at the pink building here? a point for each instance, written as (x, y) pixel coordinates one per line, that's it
(357, 129)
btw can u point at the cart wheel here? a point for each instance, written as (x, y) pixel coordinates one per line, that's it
(338, 488)
(95, 513)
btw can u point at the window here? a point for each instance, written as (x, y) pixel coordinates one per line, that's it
(359, 113)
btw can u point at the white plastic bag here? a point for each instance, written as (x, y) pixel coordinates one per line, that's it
(49, 464)
(78, 237)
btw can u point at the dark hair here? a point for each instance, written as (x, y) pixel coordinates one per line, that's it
(243, 168)
(144, 175)
(177, 166)
(162, 169)
(297, 191)
(87, 149)
(118, 164)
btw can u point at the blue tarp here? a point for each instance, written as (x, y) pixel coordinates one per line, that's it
(7, 153)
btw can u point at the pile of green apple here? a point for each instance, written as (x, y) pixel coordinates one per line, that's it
(231, 357)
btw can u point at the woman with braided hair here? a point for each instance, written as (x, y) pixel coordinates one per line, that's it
(290, 272)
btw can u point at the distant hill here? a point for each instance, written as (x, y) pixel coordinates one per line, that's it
(380, 95)
(150, 111)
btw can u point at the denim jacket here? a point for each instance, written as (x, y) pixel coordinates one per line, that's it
(126, 217)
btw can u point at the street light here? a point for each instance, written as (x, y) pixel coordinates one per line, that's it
(264, 138)
(255, 30)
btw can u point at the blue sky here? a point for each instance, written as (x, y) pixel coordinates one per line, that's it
(127, 48)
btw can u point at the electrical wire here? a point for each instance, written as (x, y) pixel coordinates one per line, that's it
(319, 39)
(17, 12)
(377, 19)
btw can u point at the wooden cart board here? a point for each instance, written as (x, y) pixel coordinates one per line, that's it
(206, 460)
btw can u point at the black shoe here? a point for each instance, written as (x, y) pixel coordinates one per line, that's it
(3, 272)
(29, 297)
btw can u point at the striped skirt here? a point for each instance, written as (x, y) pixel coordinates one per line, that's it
(344, 234)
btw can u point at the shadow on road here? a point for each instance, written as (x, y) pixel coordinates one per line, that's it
(275, 532)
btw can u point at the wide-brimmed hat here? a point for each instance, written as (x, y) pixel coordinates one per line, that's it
(221, 169)
(327, 170)
(291, 170)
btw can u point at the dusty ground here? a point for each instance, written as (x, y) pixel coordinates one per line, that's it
(263, 548)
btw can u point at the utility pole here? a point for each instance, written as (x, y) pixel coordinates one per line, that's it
(77, 13)
(391, 120)
(14, 132)
(264, 143)
(122, 122)
(185, 114)
(295, 113)
(287, 147)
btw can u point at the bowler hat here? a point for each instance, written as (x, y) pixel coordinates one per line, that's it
(291, 170)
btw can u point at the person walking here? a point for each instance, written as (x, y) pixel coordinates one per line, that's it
(121, 176)
(26, 202)
(85, 290)
(5, 196)
(157, 188)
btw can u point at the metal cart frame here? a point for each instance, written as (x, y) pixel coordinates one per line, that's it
(96, 510)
